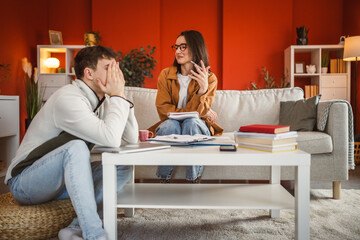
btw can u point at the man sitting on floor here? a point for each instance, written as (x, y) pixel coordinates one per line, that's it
(53, 160)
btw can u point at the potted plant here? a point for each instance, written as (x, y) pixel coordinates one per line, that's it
(4, 73)
(34, 96)
(324, 62)
(302, 33)
(92, 38)
(136, 65)
(269, 81)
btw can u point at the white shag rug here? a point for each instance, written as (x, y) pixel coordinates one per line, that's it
(329, 219)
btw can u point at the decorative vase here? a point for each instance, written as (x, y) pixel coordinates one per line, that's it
(302, 41)
(324, 70)
(90, 39)
(311, 69)
(27, 122)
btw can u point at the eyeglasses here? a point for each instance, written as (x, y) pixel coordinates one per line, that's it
(182, 47)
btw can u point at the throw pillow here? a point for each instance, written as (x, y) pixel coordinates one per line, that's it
(300, 115)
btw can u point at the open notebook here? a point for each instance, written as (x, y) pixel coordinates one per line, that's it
(132, 148)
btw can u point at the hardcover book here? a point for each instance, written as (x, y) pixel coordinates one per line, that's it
(273, 136)
(262, 128)
(265, 141)
(267, 148)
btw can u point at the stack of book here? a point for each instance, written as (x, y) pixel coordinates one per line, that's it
(269, 138)
(337, 66)
(311, 90)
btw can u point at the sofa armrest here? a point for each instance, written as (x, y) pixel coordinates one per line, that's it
(337, 128)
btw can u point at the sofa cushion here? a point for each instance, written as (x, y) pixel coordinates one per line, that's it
(300, 115)
(238, 108)
(144, 105)
(314, 142)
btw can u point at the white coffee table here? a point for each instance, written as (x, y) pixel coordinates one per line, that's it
(209, 196)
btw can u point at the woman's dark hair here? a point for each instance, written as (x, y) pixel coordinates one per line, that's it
(89, 57)
(196, 44)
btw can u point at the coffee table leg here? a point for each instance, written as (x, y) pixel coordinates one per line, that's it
(275, 179)
(129, 212)
(109, 201)
(302, 203)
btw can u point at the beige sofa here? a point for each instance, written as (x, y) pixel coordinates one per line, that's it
(329, 149)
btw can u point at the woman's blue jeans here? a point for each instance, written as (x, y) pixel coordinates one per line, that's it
(190, 126)
(67, 172)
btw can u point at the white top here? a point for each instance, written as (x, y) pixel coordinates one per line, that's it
(184, 85)
(71, 109)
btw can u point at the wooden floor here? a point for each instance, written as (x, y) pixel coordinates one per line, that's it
(352, 183)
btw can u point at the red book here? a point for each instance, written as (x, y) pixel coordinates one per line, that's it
(261, 128)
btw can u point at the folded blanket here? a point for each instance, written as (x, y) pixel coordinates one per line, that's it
(323, 110)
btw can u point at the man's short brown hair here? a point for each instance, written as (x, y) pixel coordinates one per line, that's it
(89, 57)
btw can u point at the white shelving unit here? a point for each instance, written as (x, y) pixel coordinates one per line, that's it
(9, 130)
(331, 85)
(52, 81)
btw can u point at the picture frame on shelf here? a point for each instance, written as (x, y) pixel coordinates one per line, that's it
(55, 37)
(299, 67)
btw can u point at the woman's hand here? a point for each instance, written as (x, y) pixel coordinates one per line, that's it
(201, 77)
(212, 115)
(115, 82)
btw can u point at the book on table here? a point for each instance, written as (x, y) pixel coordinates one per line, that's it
(269, 148)
(273, 136)
(265, 141)
(263, 128)
(182, 115)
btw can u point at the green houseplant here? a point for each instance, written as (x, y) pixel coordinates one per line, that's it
(324, 62)
(270, 81)
(136, 65)
(34, 96)
(4, 73)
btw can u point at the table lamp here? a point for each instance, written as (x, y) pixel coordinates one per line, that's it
(352, 53)
(52, 64)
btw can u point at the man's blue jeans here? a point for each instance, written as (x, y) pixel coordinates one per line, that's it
(190, 126)
(67, 172)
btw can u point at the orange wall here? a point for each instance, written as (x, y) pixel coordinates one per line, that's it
(23, 26)
(255, 34)
(242, 36)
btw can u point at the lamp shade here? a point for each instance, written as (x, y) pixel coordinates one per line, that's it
(52, 63)
(351, 48)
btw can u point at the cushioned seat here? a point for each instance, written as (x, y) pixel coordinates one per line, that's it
(39, 221)
(315, 142)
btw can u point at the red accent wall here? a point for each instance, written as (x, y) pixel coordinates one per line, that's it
(324, 18)
(125, 25)
(255, 34)
(23, 26)
(242, 36)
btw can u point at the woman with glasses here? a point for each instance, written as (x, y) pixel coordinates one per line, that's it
(186, 87)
